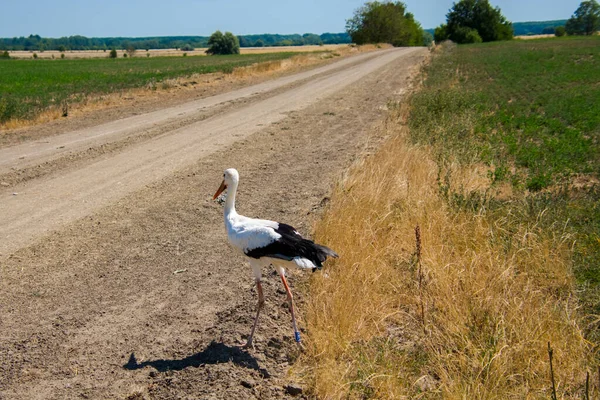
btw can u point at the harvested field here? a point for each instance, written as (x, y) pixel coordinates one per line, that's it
(77, 54)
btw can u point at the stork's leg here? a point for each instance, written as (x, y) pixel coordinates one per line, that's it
(291, 303)
(261, 303)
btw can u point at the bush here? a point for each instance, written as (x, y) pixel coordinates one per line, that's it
(124, 55)
(130, 50)
(220, 43)
(560, 31)
(187, 47)
(5, 55)
(62, 55)
(35, 55)
(113, 53)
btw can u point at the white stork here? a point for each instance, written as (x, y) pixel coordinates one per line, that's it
(266, 243)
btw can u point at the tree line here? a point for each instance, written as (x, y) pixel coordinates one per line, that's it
(38, 43)
(537, 27)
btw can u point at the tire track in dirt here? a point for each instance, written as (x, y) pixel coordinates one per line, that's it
(95, 310)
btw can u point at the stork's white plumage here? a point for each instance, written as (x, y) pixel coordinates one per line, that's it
(266, 243)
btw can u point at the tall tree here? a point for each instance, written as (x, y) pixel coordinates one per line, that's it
(220, 43)
(585, 20)
(384, 22)
(470, 21)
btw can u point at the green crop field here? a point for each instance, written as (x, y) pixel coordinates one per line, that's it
(28, 87)
(530, 111)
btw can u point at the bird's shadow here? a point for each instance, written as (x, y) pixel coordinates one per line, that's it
(214, 353)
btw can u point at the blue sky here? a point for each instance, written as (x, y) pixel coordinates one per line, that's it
(101, 18)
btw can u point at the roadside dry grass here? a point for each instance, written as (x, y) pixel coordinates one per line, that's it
(471, 318)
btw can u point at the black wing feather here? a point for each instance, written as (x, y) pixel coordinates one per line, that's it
(291, 244)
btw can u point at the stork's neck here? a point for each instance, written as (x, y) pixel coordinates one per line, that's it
(230, 199)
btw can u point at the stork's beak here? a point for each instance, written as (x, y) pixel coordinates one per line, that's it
(220, 190)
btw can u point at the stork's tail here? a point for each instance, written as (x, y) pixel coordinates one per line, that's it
(327, 251)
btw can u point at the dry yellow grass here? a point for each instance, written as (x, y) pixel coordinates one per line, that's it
(493, 292)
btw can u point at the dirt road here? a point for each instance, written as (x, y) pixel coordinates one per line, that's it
(115, 277)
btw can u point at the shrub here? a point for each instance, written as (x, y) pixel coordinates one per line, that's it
(124, 55)
(35, 55)
(62, 55)
(61, 48)
(130, 50)
(113, 53)
(560, 31)
(5, 55)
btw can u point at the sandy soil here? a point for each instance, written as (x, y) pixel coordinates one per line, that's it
(116, 278)
(171, 52)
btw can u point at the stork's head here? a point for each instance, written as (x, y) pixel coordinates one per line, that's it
(230, 178)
